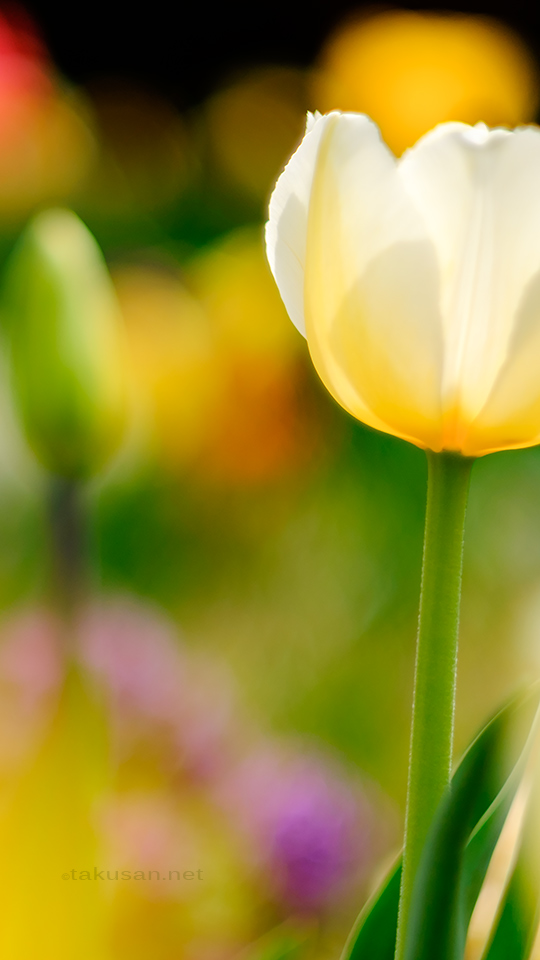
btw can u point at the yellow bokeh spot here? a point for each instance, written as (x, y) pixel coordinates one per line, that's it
(410, 71)
(171, 356)
(233, 282)
(253, 126)
(256, 431)
(217, 362)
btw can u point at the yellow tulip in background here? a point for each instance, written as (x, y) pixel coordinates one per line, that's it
(417, 282)
(410, 70)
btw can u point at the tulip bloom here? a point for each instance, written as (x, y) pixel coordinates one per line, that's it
(417, 281)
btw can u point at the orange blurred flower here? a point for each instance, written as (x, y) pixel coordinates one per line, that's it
(254, 433)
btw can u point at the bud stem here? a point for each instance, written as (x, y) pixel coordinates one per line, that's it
(432, 726)
(69, 545)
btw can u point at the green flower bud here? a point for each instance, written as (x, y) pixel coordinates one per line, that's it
(64, 337)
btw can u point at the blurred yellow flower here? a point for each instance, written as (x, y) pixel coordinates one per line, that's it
(232, 281)
(417, 281)
(410, 71)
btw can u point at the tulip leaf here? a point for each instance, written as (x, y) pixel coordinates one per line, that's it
(514, 929)
(515, 926)
(288, 941)
(464, 833)
(459, 849)
(482, 843)
(374, 933)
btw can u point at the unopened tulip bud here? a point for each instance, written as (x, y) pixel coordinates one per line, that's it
(64, 337)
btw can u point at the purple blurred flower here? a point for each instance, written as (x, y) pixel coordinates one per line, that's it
(305, 825)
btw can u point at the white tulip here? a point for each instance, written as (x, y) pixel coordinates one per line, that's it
(417, 281)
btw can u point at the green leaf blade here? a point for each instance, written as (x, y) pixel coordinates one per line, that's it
(464, 833)
(459, 849)
(374, 934)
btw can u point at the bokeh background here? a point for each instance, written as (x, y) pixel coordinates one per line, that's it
(229, 696)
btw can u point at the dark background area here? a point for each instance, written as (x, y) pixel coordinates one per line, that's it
(186, 49)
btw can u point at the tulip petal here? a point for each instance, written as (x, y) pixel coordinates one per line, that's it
(511, 417)
(479, 194)
(286, 229)
(372, 286)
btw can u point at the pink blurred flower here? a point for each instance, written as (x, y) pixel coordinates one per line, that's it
(152, 679)
(156, 688)
(31, 671)
(307, 830)
(145, 832)
(30, 655)
(209, 732)
(134, 652)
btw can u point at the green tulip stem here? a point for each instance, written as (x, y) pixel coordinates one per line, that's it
(68, 546)
(432, 726)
